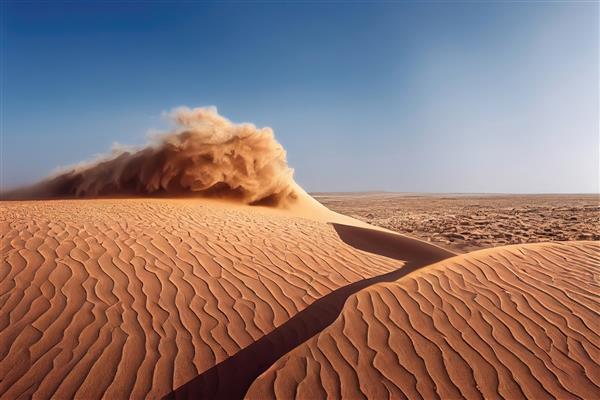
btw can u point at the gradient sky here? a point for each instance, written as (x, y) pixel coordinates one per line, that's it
(413, 97)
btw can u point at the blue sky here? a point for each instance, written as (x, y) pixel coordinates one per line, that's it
(406, 96)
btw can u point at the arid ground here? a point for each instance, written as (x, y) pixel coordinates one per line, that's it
(190, 298)
(464, 223)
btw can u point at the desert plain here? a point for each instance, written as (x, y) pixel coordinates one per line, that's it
(466, 222)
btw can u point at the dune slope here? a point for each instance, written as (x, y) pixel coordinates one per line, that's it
(513, 322)
(132, 298)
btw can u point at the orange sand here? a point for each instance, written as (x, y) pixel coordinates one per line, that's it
(146, 298)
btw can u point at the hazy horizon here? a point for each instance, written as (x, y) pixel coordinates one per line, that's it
(432, 98)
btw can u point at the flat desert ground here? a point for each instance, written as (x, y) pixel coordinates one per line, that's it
(467, 222)
(188, 298)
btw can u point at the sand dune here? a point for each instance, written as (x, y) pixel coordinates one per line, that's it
(189, 298)
(133, 298)
(513, 322)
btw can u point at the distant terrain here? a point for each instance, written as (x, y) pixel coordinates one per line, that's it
(466, 222)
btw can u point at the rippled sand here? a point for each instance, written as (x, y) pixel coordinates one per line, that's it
(146, 298)
(133, 298)
(514, 322)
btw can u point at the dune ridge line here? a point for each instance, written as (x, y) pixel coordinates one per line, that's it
(231, 378)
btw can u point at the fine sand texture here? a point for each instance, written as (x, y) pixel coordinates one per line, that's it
(515, 322)
(464, 223)
(133, 298)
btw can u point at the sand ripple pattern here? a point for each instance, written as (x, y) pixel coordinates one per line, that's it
(132, 298)
(513, 322)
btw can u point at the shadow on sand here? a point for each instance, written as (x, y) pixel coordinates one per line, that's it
(231, 378)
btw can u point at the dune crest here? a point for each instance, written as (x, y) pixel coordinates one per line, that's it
(204, 155)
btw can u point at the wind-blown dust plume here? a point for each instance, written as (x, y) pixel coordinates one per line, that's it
(205, 155)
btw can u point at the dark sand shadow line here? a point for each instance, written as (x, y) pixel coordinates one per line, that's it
(231, 378)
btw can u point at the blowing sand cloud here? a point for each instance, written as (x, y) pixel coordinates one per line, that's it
(205, 155)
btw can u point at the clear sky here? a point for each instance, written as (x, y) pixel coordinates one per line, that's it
(398, 96)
